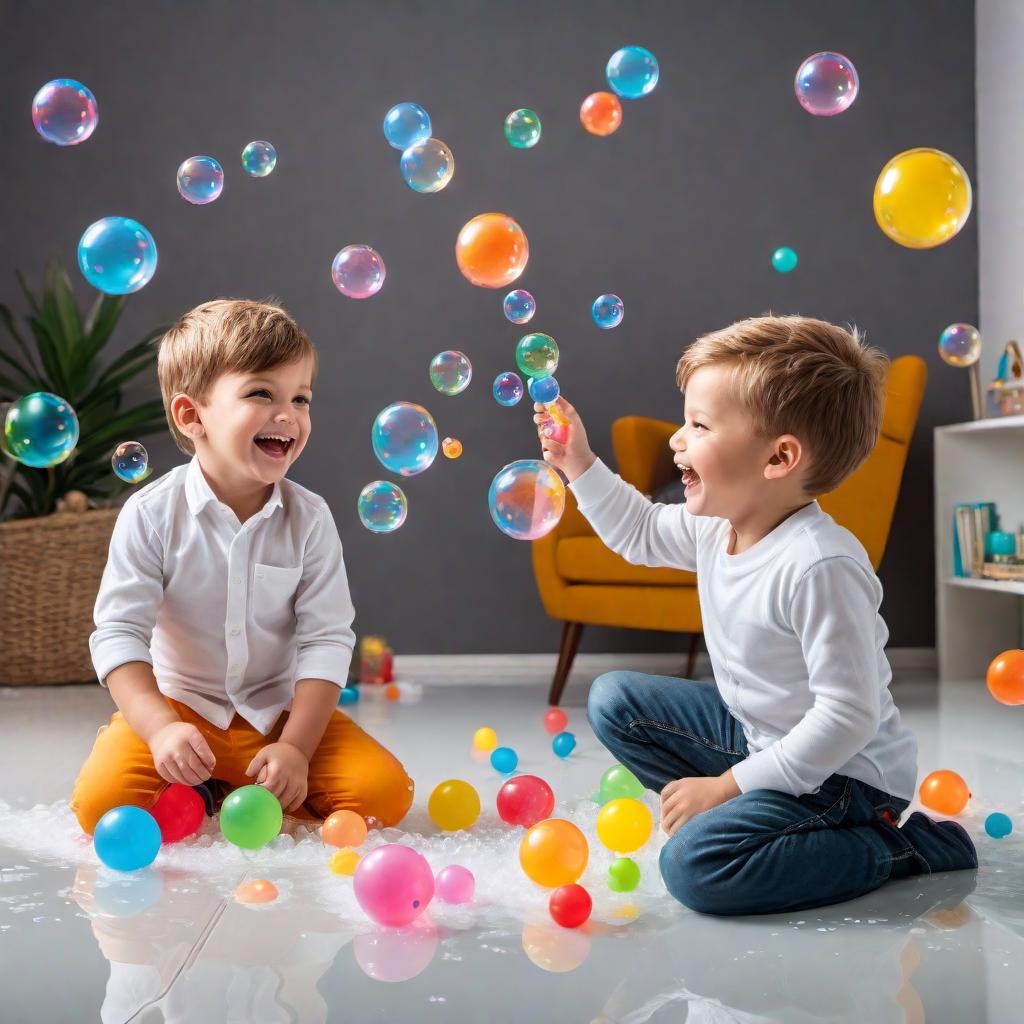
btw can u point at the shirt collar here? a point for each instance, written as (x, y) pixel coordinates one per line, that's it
(198, 491)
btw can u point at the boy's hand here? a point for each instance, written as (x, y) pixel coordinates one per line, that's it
(284, 770)
(181, 754)
(686, 798)
(574, 457)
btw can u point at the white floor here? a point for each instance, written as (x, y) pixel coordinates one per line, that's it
(78, 943)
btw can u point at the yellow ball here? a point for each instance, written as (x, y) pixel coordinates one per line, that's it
(454, 804)
(344, 862)
(922, 198)
(485, 739)
(624, 825)
(554, 852)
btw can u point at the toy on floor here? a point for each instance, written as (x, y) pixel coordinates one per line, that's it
(624, 825)
(344, 862)
(998, 825)
(945, 792)
(394, 885)
(564, 744)
(504, 760)
(618, 781)
(485, 739)
(127, 838)
(179, 811)
(570, 905)
(554, 852)
(344, 828)
(453, 805)
(1005, 677)
(348, 695)
(525, 800)
(455, 884)
(623, 875)
(555, 720)
(250, 817)
(258, 890)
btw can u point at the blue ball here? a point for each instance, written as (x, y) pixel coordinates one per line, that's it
(607, 311)
(998, 825)
(127, 838)
(785, 259)
(632, 72)
(117, 255)
(543, 389)
(406, 123)
(504, 760)
(349, 695)
(564, 744)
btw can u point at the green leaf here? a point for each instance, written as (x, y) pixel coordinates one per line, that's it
(101, 321)
(50, 357)
(143, 419)
(8, 319)
(17, 389)
(32, 301)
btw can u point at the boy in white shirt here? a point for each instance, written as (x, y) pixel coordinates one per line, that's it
(783, 787)
(223, 620)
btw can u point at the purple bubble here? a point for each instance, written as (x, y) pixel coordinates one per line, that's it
(358, 271)
(64, 112)
(826, 84)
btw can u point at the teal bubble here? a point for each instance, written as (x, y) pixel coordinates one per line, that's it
(785, 259)
(522, 128)
(382, 506)
(259, 158)
(405, 124)
(451, 372)
(117, 255)
(607, 311)
(632, 72)
(40, 430)
(404, 438)
(537, 355)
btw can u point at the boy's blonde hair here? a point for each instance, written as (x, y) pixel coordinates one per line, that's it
(225, 336)
(796, 375)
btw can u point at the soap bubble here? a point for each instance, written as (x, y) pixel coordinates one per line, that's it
(607, 311)
(452, 447)
(358, 271)
(259, 158)
(200, 180)
(519, 306)
(632, 72)
(130, 462)
(543, 389)
(537, 355)
(526, 499)
(826, 84)
(427, 165)
(382, 506)
(405, 438)
(784, 259)
(40, 430)
(117, 255)
(406, 124)
(491, 250)
(522, 129)
(960, 345)
(601, 113)
(508, 388)
(451, 372)
(64, 112)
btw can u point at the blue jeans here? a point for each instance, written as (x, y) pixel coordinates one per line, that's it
(763, 851)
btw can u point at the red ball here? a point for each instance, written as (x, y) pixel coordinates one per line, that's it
(555, 720)
(570, 905)
(525, 800)
(179, 812)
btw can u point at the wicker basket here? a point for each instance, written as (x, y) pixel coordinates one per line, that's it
(50, 571)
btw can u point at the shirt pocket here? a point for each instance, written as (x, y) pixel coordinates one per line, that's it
(273, 595)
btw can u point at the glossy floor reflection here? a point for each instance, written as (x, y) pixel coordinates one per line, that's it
(78, 942)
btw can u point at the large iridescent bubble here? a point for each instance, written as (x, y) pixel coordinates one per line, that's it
(382, 506)
(507, 388)
(522, 128)
(64, 112)
(358, 271)
(632, 72)
(526, 499)
(130, 462)
(826, 84)
(451, 372)
(117, 255)
(607, 311)
(405, 438)
(519, 306)
(543, 389)
(960, 345)
(537, 355)
(200, 180)
(40, 430)
(491, 250)
(405, 124)
(259, 158)
(427, 165)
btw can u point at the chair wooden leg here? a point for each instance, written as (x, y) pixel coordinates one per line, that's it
(571, 633)
(691, 659)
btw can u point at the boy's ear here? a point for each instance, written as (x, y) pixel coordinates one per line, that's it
(787, 454)
(185, 413)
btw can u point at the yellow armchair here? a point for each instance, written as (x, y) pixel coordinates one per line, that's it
(581, 582)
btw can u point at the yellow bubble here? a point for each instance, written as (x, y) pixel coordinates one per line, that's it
(485, 739)
(344, 862)
(624, 825)
(452, 447)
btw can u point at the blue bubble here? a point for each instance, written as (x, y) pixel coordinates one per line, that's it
(508, 388)
(607, 311)
(406, 123)
(543, 389)
(564, 744)
(405, 438)
(349, 695)
(785, 259)
(998, 825)
(40, 430)
(504, 760)
(382, 506)
(127, 838)
(632, 72)
(130, 462)
(519, 306)
(259, 158)
(117, 255)
(200, 180)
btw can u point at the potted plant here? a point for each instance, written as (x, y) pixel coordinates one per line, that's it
(55, 523)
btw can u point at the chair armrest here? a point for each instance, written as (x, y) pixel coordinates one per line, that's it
(642, 452)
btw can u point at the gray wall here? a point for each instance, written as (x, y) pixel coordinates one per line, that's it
(678, 213)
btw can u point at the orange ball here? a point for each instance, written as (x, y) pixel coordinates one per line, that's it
(554, 852)
(392, 692)
(491, 250)
(344, 828)
(259, 890)
(601, 113)
(1005, 677)
(945, 792)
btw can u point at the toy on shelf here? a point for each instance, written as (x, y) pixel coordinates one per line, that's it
(376, 661)
(1006, 392)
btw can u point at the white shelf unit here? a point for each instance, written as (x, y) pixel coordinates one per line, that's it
(976, 618)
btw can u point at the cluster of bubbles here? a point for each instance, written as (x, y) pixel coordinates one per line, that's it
(427, 164)
(632, 73)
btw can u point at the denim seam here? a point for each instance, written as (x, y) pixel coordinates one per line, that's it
(796, 826)
(684, 732)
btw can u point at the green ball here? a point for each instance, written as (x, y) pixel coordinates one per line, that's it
(537, 355)
(623, 875)
(618, 783)
(250, 817)
(522, 128)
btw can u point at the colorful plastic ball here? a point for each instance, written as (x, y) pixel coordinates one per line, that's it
(623, 875)
(553, 853)
(256, 891)
(127, 838)
(451, 372)
(406, 124)
(491, 250)
(998, 825)
(526, 499)
(117, 255)
(130, 462)
(507, 388)
(922, 198)
(519, 306)
(617, 783)
(453, 805)
(1005, 677)
(525, 800)
(455, 884)
(344, 862)
(555, 720)
(537, 355)
(624, 825)
(250, 817)
(64, 112)
(960, 345)
(564, 744)
(522, 128)
(543, 389)
(382, 507)
(392, 693)
(200, 180)
(344, 828)
(259, 158)
(607, 311)
(826, 84)
(405, 438)
(504, 760)
(601, 113)
(485, 738)
(945, 792)
(40, 430)
(570, 905)
(451, 447)
(179, 812)
(349, 695)
(427, 165)
(785, 259)
(394, 885)
(632, 72)
(358, 271)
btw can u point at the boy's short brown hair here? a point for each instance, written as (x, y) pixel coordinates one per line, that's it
(225, 336)
(806, 377)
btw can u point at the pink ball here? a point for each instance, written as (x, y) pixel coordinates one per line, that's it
(455, 884)
(393, 885)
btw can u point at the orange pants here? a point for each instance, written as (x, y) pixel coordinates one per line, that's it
(350, 769)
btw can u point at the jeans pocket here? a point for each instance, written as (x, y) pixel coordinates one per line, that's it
(829, 806)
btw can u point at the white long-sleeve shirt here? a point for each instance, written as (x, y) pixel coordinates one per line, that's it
(793, 631)
(230, 615)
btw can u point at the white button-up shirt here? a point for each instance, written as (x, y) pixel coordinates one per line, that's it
(230, 615)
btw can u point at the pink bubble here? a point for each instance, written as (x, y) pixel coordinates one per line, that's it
(358, 271)
(393, 885)
(455, 884)
(826, 84)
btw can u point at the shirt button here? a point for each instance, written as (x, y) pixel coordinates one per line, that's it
(234, 631)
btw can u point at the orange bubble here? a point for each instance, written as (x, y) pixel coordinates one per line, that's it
(344, 862)
(1005, 677)
(392, 692)
(601, 113)
(452, 447)
(554, 853)
(259, 890)
(945, 792)
(491, 250)
(344, 828)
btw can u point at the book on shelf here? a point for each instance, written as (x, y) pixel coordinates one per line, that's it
(972, 522)
(1004, 571)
